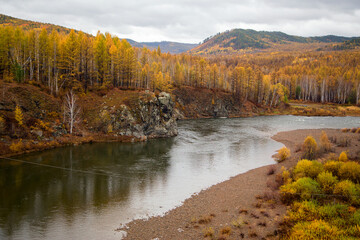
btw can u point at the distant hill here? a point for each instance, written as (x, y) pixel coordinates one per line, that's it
(27, 24)
(171, 47)
(238, 40)
(347, 45)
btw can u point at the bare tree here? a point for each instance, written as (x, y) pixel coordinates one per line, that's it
(71, 110)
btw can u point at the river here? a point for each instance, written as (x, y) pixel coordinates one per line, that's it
(97, 187)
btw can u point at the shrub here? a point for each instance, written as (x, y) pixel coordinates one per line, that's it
(304, 188)
(303, 211)
(310, 148)
(283, 154)
(347, 190)
(356, 218)
(351, 171)
(208, 232)
(19, 116)
(17, 147)
(327, 181)
(307, 168)
(343, 157)
(333, 167)
(324, 142)
(225, 230)
(316, 229)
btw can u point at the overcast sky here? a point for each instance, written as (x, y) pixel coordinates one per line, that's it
(192, 20)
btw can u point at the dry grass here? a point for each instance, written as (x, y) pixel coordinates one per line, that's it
(208, 232)
(225, 231)
(253, 234)
(205, 219)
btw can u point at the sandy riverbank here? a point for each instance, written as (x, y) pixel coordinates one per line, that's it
(246, 204)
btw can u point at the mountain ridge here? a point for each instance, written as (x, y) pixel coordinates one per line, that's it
(237, 40)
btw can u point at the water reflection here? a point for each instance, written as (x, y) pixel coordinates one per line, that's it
(36, 193)
(134, 180)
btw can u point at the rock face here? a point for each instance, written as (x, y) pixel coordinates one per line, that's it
(152, 118)
(199, 103)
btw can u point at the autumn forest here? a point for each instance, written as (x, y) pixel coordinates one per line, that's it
(59, 61)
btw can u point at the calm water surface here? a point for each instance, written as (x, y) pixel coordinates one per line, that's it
(134, 180)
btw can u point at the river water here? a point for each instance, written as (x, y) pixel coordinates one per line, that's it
(123, 181)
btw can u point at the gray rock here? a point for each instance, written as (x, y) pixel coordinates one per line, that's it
(150, 119)
(37, 132)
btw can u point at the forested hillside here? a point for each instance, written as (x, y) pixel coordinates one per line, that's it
(60, 61)
(240, 40)
(29, 25)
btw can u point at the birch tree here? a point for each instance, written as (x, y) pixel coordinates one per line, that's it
(71, 110)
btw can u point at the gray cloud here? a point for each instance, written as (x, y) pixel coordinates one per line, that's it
(192, 20)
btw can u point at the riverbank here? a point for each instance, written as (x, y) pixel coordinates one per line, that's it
(245, 206)
(124, 115)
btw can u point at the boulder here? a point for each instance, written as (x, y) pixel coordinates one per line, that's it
(152, 118)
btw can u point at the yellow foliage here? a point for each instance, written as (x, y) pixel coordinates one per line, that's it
(310, 148)
(343, 157)
(19, 116)
(42, 125)
(316, 229)
(17, 146)
(283, 154)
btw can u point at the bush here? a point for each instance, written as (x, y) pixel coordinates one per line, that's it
(307, 168)
(347, 190)
(324, 142)
(303, 211)
(208, 232)
(356, 218)
(283, 154)
(351, 171)
(333, 167)
(316, 229)
(310, 148)
(17, 146)
(303, 188)
(343, 157)
(327, 181)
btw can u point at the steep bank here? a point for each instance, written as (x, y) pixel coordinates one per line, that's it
(209, 103)
(245, 207)
(116, 115)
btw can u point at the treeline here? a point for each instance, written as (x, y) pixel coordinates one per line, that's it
(60, 61)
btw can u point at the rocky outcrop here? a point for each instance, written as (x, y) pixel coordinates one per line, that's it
(148, 118)
(200, 102)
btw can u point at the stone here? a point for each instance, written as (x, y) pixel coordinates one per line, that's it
(150, 119)
(37, 132)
